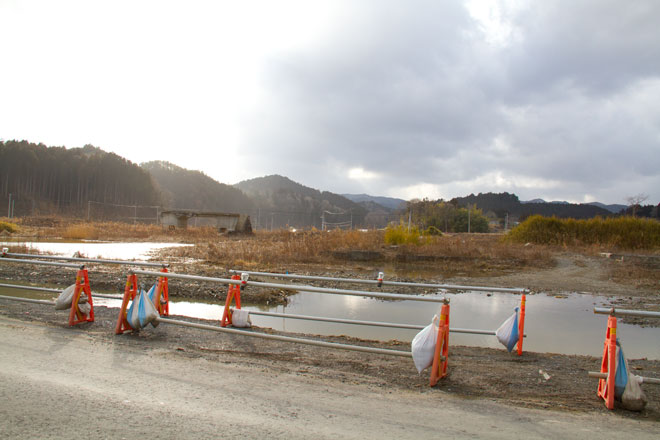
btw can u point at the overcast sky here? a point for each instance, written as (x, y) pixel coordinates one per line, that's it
(558, 100)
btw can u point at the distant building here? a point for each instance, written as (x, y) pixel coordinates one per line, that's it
(224, 222)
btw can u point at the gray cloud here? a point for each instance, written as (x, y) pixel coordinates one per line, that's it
(413, 91)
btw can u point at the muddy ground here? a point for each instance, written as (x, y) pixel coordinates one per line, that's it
(474, 373)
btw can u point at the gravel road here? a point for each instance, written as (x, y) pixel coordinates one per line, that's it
(60, 382)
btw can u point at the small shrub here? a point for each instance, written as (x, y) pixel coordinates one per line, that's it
(398, 235)
(9, 227)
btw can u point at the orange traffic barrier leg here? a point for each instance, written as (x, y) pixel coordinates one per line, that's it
(521, 325)
(233, 293)
(441, 356)
(608, 365)
(76, 316)
(130, 291)
(162, 305)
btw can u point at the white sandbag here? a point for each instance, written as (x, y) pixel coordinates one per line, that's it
(633, 397)
(507, 334)
(240, 318)
(65, 298)
(84, 308)
(423, 345)
(147, 312)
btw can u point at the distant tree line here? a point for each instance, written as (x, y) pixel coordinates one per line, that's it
(44, 179)
(444, 216)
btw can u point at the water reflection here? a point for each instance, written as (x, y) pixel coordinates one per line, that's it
(95, 249)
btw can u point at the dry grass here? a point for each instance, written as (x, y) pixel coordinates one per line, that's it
(476, 254)
(614, 233)
(58, 227)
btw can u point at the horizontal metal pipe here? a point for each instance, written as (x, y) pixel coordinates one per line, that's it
(338, 320)
(624, 312)
(370, 323)
(39, 263)
(28, 300)
(599, 375)
(47, 289)
(286, 338)
(384, 283)
(295, 287)
(89, 260)
(38, 289)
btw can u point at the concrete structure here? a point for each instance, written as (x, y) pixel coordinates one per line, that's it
(224, 222)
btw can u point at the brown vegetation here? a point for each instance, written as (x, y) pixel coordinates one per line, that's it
(615, 233)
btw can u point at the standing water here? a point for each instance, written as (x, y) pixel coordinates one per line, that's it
(564, 325)
(96, 249)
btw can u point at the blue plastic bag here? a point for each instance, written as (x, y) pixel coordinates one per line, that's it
(621, 376)
(152, 293)
(507, 334)
(146, 310)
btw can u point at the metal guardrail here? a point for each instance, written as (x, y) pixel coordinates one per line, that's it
(625, 312)
(370, 323)
(28, 300)
(383, 282)
(51, 290)
(87, 260)
(599, 375)
(39, 263)
(286, 338)
(298, 288)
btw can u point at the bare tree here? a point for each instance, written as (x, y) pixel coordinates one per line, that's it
(635, 201)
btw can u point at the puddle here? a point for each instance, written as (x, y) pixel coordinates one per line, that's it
(95, 249)
(555, 325)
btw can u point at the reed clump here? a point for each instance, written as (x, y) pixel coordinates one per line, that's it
(125, 231)
(402, 234)
(8, 227)
(80, 232)
(619, 232)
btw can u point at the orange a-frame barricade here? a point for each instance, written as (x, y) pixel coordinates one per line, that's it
(441, 356)
(76, 316)
(130, 291)
(521, 325)
(608, 365)
(233, 293)
(163, 306)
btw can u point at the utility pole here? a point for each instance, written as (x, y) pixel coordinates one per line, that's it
(469, 209)
(9, 207)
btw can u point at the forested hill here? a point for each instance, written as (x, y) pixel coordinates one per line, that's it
(504, 203)
(188, 189)
(281, 202)
(45, 179)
